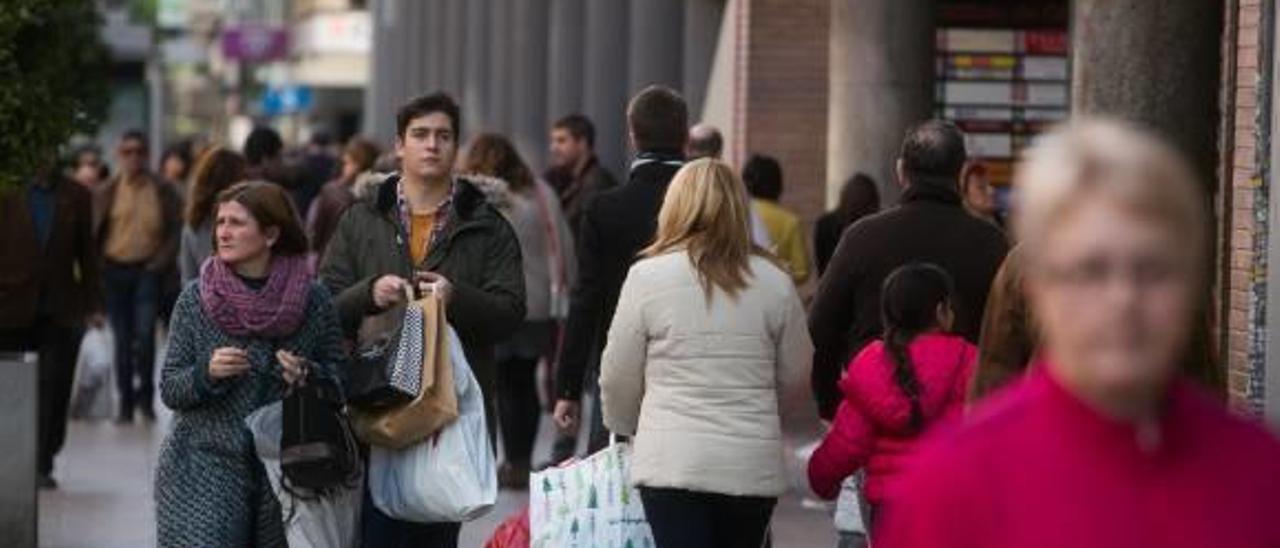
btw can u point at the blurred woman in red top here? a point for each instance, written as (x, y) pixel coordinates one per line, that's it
(1104, 444)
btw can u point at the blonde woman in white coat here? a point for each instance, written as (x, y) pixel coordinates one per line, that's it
(708, 338)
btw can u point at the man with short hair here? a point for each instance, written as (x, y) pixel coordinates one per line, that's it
(930, 225)
(615, 227)
(426, 228)
(137, 222)
(704, 142)
(575, 171)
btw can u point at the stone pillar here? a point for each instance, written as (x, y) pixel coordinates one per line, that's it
(656, 44)
(701, 33)
(475, 72)
(18, 399)
(881, 60)
(389, 79)
(1166, 78)
(529, 79)
(604, 94)
(454, 23)
(1165, 75)
(499, 82)
(431, 55)
(565, 58)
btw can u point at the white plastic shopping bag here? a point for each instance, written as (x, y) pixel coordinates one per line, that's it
(588, 503)
(94, 394)
(449, 477)
(332, 521)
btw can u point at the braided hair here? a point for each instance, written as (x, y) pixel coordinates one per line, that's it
(909, 303)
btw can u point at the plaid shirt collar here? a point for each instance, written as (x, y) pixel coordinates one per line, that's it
(444, 213)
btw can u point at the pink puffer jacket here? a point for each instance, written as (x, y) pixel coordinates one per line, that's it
(873, 424)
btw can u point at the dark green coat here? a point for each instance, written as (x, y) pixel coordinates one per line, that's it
(480, 256)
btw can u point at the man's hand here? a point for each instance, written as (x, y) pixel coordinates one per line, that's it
(228, 362)
(389, 291)
(434, 283)
(566, 414)
(292, 367)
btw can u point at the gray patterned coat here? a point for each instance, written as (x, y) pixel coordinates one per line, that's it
(211, 489)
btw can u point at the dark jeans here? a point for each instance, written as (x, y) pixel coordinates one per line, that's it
(133, 298)
(381, 531)
(518, 408)
(689, 519)
(58, 347)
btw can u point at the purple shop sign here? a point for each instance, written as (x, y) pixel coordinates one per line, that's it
(255, 43)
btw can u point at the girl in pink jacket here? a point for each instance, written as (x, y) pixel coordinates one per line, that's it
(896, 387)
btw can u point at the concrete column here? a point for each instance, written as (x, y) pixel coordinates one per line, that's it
(18, 400)
(565, 58)
(433, 51)
(454, 24)
(1166, 75)
(881, 84)
(529, 80)
(701, 33)
(390, 77)
(475, 71)
(499, 82)
(604, 95)
(656, 44)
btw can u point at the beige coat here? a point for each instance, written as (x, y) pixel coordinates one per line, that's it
(699, 386)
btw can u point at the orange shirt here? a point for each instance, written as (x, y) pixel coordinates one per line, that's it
(420, 228)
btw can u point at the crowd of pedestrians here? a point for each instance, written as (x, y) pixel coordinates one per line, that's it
(973, 394)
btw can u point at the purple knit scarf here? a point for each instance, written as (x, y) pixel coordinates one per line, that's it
(275, 310)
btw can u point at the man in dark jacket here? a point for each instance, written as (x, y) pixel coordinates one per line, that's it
(931, 225)
(425, 226)
(137, 224)
(49, 289)
(615, 227)
(575, 171)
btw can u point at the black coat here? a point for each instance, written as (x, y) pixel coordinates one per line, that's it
(616, 225)
(931, 226)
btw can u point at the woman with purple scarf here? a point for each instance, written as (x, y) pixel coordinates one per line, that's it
(250, 327)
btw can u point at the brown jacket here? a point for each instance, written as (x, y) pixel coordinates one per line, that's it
(166, 256)
(66, 269)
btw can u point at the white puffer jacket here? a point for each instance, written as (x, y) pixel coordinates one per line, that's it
(699, 385)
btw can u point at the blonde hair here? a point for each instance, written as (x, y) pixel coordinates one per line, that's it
(1120, 163)
(706, 214)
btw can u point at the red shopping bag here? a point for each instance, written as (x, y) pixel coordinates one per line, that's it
(512, 533)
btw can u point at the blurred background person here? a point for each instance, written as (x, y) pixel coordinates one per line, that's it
(763, 177)
(317, 165)
(337, 195)
(979, 196)
(859, 197)
(255, 325)
(575, 172)
(705, 141)
(88, 167)
(217, 170)
(1105, 433)
(549, 264)
(51, 287)
(707, 422)
(136, 218)
(175, 165)
(264, 151)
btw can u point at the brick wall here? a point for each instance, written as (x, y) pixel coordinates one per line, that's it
(786, 95)
(1240, 210)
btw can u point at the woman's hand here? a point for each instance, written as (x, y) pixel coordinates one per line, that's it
(228, 362)
(292, 367)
